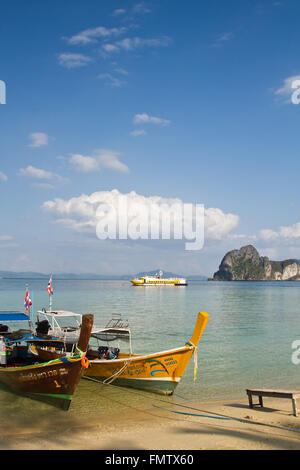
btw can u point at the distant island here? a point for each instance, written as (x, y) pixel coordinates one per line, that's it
(89, 276)
(246, 264)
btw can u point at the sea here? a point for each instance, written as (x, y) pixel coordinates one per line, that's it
(248, 340)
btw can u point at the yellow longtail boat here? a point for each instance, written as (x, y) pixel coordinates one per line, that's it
(158, 372)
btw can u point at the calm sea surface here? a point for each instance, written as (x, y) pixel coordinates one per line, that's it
(247, 341)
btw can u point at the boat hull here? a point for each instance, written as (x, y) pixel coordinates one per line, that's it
(53, 382)
(158, 373)
(175, 283)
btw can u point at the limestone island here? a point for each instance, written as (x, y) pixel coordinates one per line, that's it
(246, 264)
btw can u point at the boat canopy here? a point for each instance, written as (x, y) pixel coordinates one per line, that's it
(18, 336)
(13, 316)
(111, 334)
(59, 313)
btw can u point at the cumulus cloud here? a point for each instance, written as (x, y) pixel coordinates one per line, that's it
(100, 159)
(70, 61)
(289, 91)
(3, 176)
(80, 213)
(33, 172)
(144, 118)
(284, 232)
(38, 139)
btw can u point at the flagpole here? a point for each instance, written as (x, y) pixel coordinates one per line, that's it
(31, 311)
(50, 296)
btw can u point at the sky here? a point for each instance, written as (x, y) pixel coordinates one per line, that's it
(160, 101)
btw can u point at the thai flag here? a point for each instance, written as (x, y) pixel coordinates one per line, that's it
(28, 301)
(49, 288)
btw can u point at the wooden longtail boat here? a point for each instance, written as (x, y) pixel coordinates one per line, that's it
(159, 372)
(53, 381)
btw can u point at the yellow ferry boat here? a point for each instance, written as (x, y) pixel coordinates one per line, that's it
(158, 280)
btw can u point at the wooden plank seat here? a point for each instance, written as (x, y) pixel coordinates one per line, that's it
(260, 393)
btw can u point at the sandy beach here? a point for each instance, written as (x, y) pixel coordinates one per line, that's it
(155, 428)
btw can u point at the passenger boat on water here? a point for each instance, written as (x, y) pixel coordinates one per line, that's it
(23, 372)
(158, 280)
(158, 372)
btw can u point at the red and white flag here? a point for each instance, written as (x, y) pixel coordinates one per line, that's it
(49, 288)
(28, 301)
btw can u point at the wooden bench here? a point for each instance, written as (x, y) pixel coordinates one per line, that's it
(260, 393)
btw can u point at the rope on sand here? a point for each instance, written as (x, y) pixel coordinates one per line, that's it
(220, 416)
(246, 421)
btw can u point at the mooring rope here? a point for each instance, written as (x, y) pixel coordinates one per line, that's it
(212, 416)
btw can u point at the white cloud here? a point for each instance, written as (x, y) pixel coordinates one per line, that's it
(70, 61)
(111, 80)
(3, 176)
(80, 213)
(121, 71)
(138, 132)
(145, 119)
(119, 12)
(288, 89)
(110, 159)
(109, 48)
(141, 8)
(93, 34)
(38, 139)
(5, 238)
(101, 159)
(131, 44)
(39, 174)
(33, 172)
(284, 232)
(83, 163)
(223, 38)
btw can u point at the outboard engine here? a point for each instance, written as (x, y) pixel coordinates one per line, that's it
(42, 327)
(3, 328)
(113, 353)
(102, 350)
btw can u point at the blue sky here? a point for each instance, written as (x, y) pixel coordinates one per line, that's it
(187, 100)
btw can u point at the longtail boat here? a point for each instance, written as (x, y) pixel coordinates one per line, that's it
(53, 381)
(158, 372)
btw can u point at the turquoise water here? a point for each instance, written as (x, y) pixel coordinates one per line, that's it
(247, 341)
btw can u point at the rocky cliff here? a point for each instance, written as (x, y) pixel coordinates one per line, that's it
(245, 264)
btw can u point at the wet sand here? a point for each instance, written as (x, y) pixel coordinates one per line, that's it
(144, 423)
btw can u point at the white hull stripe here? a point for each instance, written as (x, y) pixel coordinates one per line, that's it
(150, 379)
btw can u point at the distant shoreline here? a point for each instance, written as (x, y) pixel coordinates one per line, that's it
(83, 278)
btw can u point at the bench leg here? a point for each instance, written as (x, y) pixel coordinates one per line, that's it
(250, 400)
(261, 400)
(295, 412)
